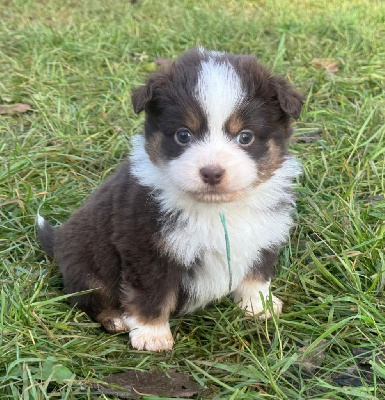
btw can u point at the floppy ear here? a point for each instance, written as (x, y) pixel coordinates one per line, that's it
(289, 99)
(141, 96)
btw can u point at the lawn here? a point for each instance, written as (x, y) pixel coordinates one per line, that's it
(75, 64)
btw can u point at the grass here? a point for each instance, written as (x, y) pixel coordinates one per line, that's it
(76, 63)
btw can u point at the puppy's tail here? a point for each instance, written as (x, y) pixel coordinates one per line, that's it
(46, 235)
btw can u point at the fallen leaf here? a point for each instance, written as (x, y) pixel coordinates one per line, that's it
(314, 358)
(135, 384)
(366, 358)
(353, 376)
(306, 137)
(326, 63)
(16, 108)
(163, 62)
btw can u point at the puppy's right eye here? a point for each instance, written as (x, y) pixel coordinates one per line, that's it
(183, 136)
(245, 137)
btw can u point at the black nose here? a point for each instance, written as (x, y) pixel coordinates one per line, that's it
(212, 175)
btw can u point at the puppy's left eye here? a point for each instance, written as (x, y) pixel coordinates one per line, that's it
(183, 136)
(245, 138)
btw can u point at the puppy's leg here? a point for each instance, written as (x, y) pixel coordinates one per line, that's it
(253, 291)
(149, 323)
(249, 295)
(150, 335)
(149, 293)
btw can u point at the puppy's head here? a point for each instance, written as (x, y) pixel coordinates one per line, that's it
(217, 124)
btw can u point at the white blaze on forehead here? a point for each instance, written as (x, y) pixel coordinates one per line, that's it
(203, 52)
(219, 91)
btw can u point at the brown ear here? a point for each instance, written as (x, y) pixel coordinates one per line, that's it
(289, 99)
(156, 83)
(140, 97)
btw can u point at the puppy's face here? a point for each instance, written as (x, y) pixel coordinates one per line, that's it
(216, 124)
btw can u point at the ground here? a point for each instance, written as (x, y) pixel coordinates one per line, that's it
(75, 64)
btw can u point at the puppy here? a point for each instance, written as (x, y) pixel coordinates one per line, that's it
(150, 241)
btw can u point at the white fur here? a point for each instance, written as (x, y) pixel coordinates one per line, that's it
(249, 294)
(254, 222)
(212, 53)
(240, 169)
(40, 220)
(219, 91)
(154, 337)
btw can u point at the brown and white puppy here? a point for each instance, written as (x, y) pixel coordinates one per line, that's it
(150, 241)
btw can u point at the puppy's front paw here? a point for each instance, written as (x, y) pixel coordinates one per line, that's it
(255, 306)
(151, 342)
(152, 337)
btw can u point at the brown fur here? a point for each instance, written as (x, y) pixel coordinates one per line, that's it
(112, 239)
(153, 149)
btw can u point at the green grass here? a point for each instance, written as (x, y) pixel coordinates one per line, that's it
(76, 63)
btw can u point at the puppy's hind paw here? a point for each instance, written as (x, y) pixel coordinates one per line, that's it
(255, 306)
(115, 325)
(113, 321)
(277, 308)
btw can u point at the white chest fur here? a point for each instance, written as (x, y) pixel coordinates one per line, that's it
(198, 235)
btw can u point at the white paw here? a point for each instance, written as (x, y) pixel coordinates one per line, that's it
(254, 306)
(150, 342)
(152, 337)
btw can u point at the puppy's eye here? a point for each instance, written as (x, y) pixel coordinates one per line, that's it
(245, 138)
(183, 136)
